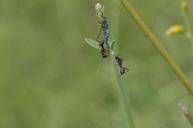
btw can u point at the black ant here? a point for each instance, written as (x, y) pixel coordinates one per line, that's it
(104, 51)
(123, 70)
(103, 48)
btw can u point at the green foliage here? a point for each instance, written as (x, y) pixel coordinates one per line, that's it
(92, 43)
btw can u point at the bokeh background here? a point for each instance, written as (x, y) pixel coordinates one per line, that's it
(50, 78)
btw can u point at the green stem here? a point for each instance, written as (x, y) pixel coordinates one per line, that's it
(188, 33)
(157, 44)
(115, 19)
(124, 100)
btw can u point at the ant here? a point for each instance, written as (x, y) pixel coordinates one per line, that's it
(104, 50)
(103, 44)
(123, 70)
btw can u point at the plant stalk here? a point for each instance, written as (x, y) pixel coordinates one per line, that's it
(124, 100)
(188, 28)
(157, 44)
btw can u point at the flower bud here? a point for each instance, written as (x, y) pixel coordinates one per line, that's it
(174, 30)
(98, 7)
(99, 12)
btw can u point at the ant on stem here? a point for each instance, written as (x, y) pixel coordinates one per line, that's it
(123, 69)
(104, 50)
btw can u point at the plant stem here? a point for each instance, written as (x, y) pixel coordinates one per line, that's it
(157, 44)
(121, 90)
(124, 100)
(188, 33)
(115, 19)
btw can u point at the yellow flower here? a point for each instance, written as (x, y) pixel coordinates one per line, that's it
(174, 30)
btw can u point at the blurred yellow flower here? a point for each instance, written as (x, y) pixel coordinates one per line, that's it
(174, 30)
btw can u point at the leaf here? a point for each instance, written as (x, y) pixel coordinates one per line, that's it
(92, 43)
(112, 44)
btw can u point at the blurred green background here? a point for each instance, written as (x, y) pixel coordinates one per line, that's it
(50, 78)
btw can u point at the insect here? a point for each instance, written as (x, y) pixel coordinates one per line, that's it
(123, 69)
(99, 45)
(104, 27)
(103, 43)
(104, 52)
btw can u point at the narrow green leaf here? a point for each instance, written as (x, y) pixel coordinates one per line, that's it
(92, 43)
(113, 44)
(187, 114)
